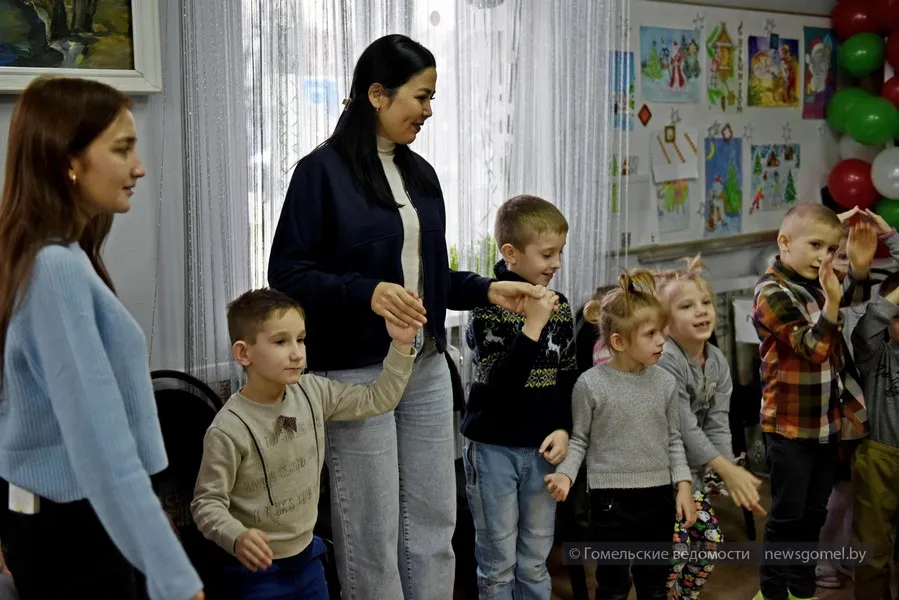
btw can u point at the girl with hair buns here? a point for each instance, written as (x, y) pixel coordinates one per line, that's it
(627, 427)
(704, 387)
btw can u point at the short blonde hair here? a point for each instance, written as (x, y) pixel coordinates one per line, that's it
(521, 218)
(805, 214)
(692, 271)
(628, 306)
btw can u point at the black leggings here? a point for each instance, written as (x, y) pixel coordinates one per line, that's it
(64, 552)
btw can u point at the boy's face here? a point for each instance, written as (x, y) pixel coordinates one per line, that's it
(279, 353)
(808, 246)
(539, 260)
(691, 314)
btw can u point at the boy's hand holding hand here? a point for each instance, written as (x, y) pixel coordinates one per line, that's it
(402, 335)
(861, 247)
(253, 551)
(555, 447)
(558, 486)
(537, 312)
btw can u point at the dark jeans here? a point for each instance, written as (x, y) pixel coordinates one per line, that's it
(802, 477)
(631, 516)
(64, 552)
(299, 577)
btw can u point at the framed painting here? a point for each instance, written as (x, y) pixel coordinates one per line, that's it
(113, 41)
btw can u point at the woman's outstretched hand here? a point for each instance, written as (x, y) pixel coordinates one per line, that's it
(398, 305)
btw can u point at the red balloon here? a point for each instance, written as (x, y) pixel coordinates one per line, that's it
(893, 49)
(887, 14)
(850, 184)
(883, 251)
(851, 17)
(891, 90)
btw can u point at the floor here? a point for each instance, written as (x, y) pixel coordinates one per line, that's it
(727, 582)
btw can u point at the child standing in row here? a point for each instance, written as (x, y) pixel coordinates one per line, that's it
(811, 398)
(258, 486)
(519, 408)
(627, 426)
(704, 387)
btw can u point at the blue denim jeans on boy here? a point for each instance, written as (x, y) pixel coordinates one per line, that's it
(300, 577)
(514, 518)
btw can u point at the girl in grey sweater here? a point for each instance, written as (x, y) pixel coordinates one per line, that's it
(704, 387)
(627, 427)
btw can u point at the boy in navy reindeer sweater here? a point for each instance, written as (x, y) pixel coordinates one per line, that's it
(519, 408)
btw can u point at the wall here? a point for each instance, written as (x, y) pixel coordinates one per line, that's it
(157, 212)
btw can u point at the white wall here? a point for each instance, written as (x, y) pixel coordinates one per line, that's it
(157, 207)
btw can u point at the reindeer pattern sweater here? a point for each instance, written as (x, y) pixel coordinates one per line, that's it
(522, 389)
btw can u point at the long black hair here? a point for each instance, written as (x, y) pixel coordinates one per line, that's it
(391, 61)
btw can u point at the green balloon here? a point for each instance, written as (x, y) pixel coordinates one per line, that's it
(889, 210)
(840, 105)
(873, 121)
(862, 54)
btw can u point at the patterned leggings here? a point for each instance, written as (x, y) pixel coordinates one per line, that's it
(687, 579)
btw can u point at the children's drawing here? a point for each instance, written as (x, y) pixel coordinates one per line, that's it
(722, 89)
(724, 186)
(674, 205)
(621, 92)
(669, 64)
(773, 73)
(678, 159)
(775, 177)
(820, 69)
(629, 165)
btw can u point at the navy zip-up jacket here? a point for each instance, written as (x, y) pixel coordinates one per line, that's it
(334, 245)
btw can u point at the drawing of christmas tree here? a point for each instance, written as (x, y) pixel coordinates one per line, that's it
(757, 164)
(790, 192)
(653, 66)
(734, 203)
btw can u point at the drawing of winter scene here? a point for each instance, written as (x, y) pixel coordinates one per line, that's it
(622, 90)
(724, 186)
(674, 205)
(775, 176)
(820, 69)
(669, 64)
(722, 86)
(773, 73)
(628, 166)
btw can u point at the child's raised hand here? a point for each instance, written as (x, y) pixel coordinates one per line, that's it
(880, 225)
(861, 247)
(743, 488)
(558, 485)
(555, 447)
(253, 551)
(402, 335)
(850, 214)
(830, 283)
(686, 507)
(539, 310)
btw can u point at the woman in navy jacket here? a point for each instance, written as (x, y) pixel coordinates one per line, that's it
(361, 238)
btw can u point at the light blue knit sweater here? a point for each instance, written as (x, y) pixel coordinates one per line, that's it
(78, 418)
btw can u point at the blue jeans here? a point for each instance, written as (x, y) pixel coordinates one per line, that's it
(300, 577)
(393, 489)
(514, 518)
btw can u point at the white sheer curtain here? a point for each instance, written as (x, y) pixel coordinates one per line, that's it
(217, 269)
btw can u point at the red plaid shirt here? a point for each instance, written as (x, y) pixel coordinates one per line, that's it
(810, 389)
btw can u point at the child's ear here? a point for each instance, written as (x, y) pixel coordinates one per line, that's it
(783, 242)
(509, 252)
(240, 351)
(616, 341)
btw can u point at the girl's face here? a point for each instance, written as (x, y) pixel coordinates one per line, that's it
(841, 260)
(691, 316)
(401, 118)
(643, 348)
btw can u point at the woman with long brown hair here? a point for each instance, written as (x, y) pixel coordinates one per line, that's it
(79, 434)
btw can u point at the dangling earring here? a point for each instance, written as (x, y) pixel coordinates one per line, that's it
(74, 179)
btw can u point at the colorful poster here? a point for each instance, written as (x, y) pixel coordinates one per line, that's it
(775, 177)
(723, 89)
(773, 73)
(628, 165)
(669, 64)
(675, 200)
(724, 186)
(819, 83)
(621, 93)
(674, 154)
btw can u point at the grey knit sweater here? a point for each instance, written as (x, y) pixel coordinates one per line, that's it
(627, 426)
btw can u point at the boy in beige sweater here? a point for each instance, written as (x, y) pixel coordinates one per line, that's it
(258, 486)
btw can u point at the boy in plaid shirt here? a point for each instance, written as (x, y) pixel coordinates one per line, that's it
(811, 397)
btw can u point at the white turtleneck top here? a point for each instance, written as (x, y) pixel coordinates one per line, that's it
(411, 256)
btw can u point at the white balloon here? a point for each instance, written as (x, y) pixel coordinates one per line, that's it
(849, 148)
(885, 173)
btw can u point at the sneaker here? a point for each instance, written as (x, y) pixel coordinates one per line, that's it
(758, 596)
(790, 596)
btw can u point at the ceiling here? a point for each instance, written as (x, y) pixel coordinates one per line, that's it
(815, 7)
